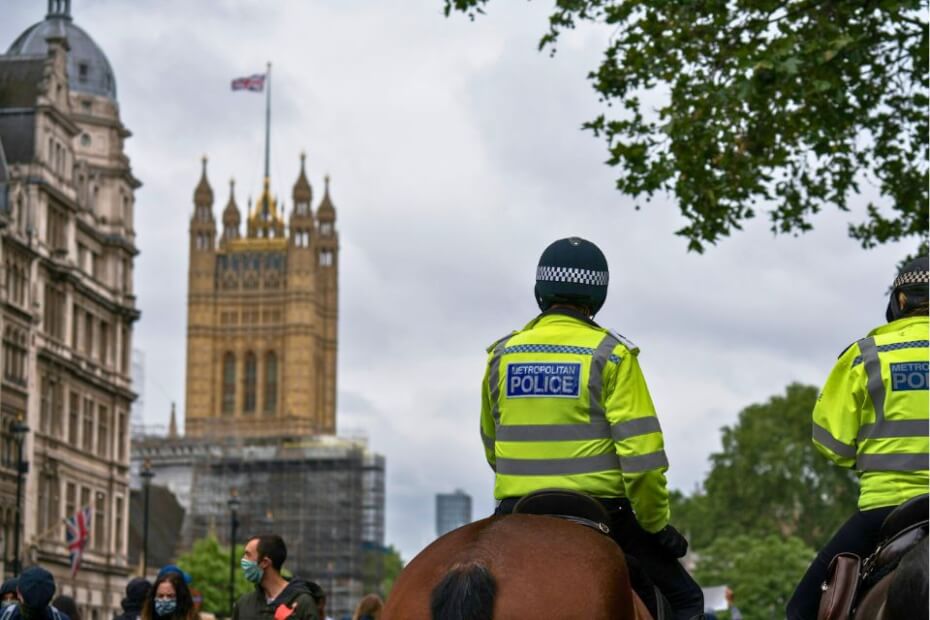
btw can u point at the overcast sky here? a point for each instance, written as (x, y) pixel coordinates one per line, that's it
(456, 157)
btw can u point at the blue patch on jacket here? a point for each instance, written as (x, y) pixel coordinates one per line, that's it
(543, 380)
(909, 376)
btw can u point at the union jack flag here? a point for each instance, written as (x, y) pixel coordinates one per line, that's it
(254, 83)
(78, 535)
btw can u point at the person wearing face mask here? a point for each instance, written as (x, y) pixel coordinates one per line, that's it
(35, 590)
(8, 593)
(274, 598)
(169, 599)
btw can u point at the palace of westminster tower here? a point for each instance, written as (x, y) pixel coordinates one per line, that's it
(262, 315)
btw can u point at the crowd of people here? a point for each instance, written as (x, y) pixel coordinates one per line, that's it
(31, 596)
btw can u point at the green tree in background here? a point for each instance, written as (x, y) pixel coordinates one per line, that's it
(208, 565)
(380, 567)
(769, 478)
(393, 564)
(761, 571)
(732, 105)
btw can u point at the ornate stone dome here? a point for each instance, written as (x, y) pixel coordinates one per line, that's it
(89, 71)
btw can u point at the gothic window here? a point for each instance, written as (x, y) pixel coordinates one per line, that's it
(229, 383)
(326, 228)
(121, 436)
(54, 312)
(87, 437)
(271, 382)
(250, 383)
(98, 540)
(45, 402)
(326, 258)
(103, 432)
(14, 355)
(56, 229)
(118, 538)
(74, 414)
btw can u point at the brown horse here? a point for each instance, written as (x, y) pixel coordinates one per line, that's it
(516, 567)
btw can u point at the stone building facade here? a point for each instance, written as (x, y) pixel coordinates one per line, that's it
(262, 316)
(67, 306)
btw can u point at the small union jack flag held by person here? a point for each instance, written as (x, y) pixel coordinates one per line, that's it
(254, 83)
(78, 535)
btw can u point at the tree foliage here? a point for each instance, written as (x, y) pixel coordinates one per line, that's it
(208, 565)
(393, 564)
(380, 568)
(769, 478)
(761, 571)
(787, 105)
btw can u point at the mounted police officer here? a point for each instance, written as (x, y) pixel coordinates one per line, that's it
(565, 405)
(872, 416)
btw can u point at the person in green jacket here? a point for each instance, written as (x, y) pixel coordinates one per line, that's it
(565, 405)
(872, 416)
(274, 597)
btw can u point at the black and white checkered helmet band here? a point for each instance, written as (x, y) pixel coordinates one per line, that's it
(912, 277)
(573, 275)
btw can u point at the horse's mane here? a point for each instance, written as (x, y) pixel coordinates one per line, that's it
(465, 593)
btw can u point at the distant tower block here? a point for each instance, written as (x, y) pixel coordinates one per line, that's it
(262, 315)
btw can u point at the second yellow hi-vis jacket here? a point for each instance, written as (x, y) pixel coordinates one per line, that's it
(872, 413)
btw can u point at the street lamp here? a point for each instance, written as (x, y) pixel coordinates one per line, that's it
(234, 504)
(19, 429)
(146, 474)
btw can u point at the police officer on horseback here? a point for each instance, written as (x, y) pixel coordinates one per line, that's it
(565, 405)
(872, 415)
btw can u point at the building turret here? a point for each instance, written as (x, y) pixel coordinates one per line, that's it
(302, 215)
(231, 218)
(326, 212)
(203, 225)
(327, 246)
(264, 221)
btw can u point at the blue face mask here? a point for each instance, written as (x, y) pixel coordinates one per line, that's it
(253, 573)
(165, 606)
(6, 604)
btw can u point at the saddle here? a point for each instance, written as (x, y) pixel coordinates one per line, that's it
(564, 504)
(854, 585)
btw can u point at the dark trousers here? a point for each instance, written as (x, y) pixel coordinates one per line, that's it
(859, 535)
(681, 591)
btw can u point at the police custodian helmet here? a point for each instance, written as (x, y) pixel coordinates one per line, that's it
(912, 281)
(572, 271)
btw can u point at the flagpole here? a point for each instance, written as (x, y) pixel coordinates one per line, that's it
(267, 120)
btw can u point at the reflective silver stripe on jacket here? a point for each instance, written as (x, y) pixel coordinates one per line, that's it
(596, 378)
(873, 371)
(494, 376)
(882, 428)
(643, 462)
(824, 438)
(487, 441)
(895, 428)
(892, 462)
(557, 467)
(635, 428)
(553, 432)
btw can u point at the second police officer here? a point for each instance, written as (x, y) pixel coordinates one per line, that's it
(565, 405)
(871, 416)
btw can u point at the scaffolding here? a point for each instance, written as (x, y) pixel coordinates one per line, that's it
(324, 496)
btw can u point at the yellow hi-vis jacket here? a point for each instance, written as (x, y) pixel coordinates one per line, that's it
(565, 405)
(872, 413)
